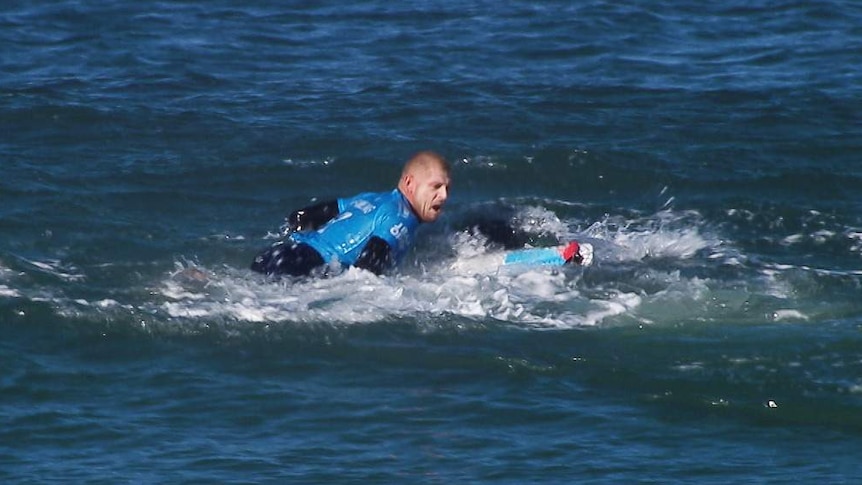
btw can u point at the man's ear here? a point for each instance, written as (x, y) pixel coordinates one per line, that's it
(408, 183)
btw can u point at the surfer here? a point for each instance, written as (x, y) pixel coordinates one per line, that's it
(370, 230)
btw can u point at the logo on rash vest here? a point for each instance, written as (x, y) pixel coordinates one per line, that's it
(364, 206)
(339, 217)
(401, 234)
(405, 211)
(398, 230)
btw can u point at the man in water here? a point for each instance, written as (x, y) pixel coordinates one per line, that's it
(371, 231)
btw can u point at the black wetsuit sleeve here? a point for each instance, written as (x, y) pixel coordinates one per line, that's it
(375, 257)
(313, 217)
(501, 232)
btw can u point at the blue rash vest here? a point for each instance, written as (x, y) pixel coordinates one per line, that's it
(386, 215)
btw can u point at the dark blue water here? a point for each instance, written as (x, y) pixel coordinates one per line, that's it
(710, 153)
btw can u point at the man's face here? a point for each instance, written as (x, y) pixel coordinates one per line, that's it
(430, 189)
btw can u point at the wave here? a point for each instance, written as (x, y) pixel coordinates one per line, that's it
(666, 267)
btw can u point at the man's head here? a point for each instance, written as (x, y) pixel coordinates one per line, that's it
(425, 183)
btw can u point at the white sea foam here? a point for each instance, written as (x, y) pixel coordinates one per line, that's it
(472, 286)
(9, 292)
(855, 237)
(57, 269)
(457, 285)
(469, 284)
(540, 220)
(666, 234)
(682, 244)
(465, 283)
(356, 296)
(788, 314)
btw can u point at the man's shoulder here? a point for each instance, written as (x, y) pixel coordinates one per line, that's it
(366, 196)
(387, 208)
(369, 201)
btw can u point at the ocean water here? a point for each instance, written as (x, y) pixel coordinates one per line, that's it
(709, 151)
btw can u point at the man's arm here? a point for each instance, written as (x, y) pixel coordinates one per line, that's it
(499, 231)
(313, 217)
(573, 252)
(375, 257)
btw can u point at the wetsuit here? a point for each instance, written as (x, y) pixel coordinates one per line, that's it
(372, 231)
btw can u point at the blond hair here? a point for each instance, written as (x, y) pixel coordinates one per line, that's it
(423, 161)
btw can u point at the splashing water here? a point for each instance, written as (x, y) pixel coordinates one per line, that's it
(664, 267)
(470, 284)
